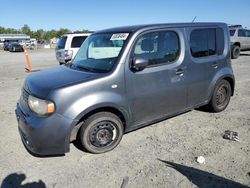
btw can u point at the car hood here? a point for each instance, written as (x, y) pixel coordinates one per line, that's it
(42, 83)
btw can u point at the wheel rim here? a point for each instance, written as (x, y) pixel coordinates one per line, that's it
(222, 96)
(236, 52)
(103, 134)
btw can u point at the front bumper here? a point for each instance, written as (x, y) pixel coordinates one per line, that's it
(44, 135)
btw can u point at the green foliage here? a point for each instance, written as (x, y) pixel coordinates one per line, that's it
(26, 30)
(39, 34)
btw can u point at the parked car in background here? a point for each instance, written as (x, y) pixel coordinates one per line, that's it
(240, 40)
(6, 46)
(15, 47)
(123, 79)
(68, 45)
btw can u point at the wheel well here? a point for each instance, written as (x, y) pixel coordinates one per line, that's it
(77, 127)
(237, 44)
(105, 109)
(231, 82)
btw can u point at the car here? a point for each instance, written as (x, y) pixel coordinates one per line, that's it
(15, 47)
(6, 46)
(240, 40)
(123, 79)
(68, 45)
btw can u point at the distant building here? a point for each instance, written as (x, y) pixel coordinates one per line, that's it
(14, 37)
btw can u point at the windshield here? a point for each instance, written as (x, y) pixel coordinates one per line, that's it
(99, 52)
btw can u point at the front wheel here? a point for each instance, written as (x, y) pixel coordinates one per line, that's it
(101, 132)
(221, 96)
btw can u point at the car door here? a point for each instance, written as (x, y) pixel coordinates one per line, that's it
(160, 89)
(206, 59)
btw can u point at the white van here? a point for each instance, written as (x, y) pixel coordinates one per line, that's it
(68, 45)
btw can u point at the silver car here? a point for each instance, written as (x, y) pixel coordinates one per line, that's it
(68, 45)
(240, 40)
(122, 79)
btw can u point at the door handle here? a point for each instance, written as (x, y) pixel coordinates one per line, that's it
(179, 72)
(215, 65)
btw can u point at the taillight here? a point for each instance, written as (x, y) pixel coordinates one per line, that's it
(68, 54)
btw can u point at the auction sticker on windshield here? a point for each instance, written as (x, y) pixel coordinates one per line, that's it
(119, 36)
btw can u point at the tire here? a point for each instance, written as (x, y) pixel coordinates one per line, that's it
(235, 53)
(221, 96)
(101, 132)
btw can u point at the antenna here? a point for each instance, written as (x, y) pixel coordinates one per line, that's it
(193, 19)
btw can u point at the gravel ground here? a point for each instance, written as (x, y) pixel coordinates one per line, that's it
(161, 155)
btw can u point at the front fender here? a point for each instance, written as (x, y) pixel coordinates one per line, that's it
(95, 101)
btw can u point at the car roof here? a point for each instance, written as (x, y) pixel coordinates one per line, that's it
(77, 34)
(134, 28)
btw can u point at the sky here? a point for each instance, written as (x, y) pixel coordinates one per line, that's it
(101, 14)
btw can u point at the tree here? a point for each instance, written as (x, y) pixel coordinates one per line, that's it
(26, 30)
(2, 30)
(50, 34)
(39, 34)
(61, 32)
(8, 31)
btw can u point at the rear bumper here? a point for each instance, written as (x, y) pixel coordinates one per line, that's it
(44, 135)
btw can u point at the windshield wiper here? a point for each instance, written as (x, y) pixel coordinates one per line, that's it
(84, 68)
(74, 66)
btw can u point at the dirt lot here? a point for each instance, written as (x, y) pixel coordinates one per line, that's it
(160, 155)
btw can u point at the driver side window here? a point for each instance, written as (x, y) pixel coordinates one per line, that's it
(157, 47)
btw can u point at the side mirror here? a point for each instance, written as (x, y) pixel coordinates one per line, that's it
(138, 64)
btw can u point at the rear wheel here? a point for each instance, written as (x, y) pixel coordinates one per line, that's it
(101, 132)
(221, 96)
(235, 53)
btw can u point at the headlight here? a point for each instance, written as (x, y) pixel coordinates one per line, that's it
(39, 106)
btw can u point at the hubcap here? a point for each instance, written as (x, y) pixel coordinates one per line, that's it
(103, 134)
(236, 52)
(221, 96)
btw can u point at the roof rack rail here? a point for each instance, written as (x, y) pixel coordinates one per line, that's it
(80, 32)
(234, 26)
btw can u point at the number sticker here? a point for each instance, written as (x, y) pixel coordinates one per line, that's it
(119, 36)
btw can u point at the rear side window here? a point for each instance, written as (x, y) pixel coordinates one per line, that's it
(206, 42)
(219, 41)
(241, 33)
(232, 31)
(77, 41)
(61, 42)
(247, 33)
(157, 47)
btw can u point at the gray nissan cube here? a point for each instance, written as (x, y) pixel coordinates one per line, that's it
(122, 79)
